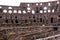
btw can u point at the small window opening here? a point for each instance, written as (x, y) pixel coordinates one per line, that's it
(49, 11)
(19, 11)
(41, 4)
(28, 5)
(24, 11)
(10, 11)
(57, 2)
(15, 11)
(33, 12)
(28, 8)
(5, 11)
(37, 4)
(49, 4)
(9, 7)
(41, 11)
(0, 6)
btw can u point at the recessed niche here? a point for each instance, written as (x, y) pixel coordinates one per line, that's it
(40, 19)
(52, 19)
(34, 20)
(16, 21)
(6, 21)
(0, 16)
(59, 16)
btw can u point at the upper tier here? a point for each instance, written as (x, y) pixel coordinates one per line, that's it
(42, 14)
(42, 7)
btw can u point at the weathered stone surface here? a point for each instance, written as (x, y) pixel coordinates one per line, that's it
(30, 21)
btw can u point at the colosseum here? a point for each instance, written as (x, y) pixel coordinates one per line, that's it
(30, 21)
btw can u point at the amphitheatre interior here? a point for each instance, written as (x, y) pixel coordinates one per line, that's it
(30, 21)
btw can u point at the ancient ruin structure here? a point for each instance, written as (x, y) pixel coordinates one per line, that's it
(30, 21)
